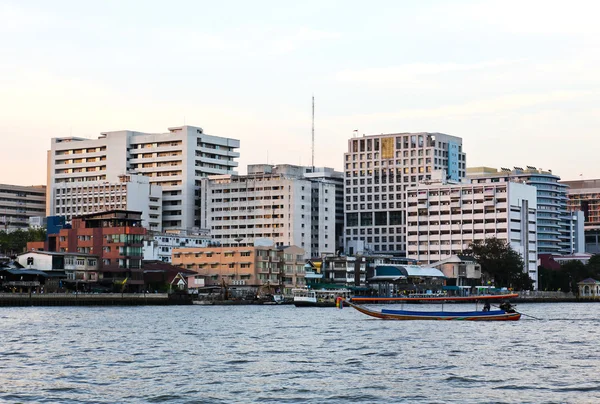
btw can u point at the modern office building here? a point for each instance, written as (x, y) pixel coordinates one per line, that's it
(444, 219)
(131, 192)
(275, 202)
(584, 199)
(19, 203)
(378, 171)
(558, 230)
(175, 161)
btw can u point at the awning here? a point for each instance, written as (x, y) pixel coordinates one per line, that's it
(408, 271)
(388, 278)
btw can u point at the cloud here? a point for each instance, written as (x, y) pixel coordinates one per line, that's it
(16, 20)
(521, 17)
(490, 106)
(413, 74)
(301, 37)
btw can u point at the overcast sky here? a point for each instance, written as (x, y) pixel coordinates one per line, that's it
(519, 81)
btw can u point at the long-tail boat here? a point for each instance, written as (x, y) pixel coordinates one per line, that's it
(505, 313)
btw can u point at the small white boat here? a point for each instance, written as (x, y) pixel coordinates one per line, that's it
(305, 297)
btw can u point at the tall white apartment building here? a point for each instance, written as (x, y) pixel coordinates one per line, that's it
(19, 203)
(131, 192)
(378, 171)
(275, 202)
(175, 160)
(558, 230)
(443, 219)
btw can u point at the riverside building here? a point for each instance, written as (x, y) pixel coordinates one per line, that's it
(244, 268)
(159, 246)
(378, 170)
(444, 218)
(288, 204)
(175, 161)
(584, 200)
(18, 204)
(559, 232)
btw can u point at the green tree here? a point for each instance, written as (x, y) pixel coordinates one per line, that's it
(575, 271)
(15, 242)
(501, 263)
(593, 266)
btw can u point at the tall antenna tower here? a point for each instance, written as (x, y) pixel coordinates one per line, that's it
(313, 133)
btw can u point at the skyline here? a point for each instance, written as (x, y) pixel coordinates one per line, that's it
(508, 78)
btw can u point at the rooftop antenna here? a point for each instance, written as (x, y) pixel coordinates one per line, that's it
(313, 133)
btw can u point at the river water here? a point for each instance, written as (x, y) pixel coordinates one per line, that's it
(283, 354)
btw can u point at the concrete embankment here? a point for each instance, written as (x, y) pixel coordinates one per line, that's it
(89, 299)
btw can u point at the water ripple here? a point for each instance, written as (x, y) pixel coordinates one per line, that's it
(249, 354)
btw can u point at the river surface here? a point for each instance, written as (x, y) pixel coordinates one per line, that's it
(284, 354)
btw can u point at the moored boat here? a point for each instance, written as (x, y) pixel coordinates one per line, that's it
(305, 297)
(506, 313)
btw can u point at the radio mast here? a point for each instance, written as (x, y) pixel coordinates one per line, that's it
(313, 133)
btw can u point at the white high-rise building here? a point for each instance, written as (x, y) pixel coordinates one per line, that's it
(175, 160)
(378, 171)
(274, 202)
(131, 192)
(558, 230)
(443, 219)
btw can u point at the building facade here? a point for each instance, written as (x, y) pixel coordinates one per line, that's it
(584, 199)
(131, 192)
(159, 246)
(175, 161)
(378, 171)
(18, 204)
(273, 202)
(245, 268)
(559, 231)
(84, 268)
(115, 236)
(444, 219)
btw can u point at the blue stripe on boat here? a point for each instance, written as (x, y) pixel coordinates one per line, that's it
(443, 313)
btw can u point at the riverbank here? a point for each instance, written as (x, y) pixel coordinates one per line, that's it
(93, 299)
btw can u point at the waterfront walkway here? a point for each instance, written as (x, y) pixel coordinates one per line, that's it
(91, 299)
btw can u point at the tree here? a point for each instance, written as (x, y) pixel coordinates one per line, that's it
(501, 263)
(15, 242)
(575, 271)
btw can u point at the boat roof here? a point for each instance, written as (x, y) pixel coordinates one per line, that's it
(445, 298)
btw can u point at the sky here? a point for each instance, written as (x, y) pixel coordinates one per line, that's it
(517, 80)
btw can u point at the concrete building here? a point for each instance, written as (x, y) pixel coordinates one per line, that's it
(19, 203)
(443, 219)
(115, 236)
(275, 202)
(245, 268)
(78, 267)
(378, 171)
(559, 232)
(159, 246)
(175, 161)
(584, 199)
(461, 270)
(131, 192)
